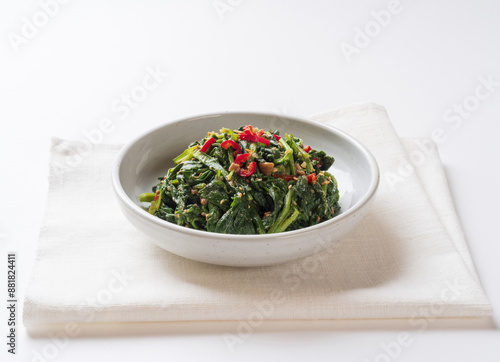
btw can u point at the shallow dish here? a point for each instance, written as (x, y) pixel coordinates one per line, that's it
(143, 160)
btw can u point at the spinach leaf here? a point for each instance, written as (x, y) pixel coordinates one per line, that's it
(237, 219)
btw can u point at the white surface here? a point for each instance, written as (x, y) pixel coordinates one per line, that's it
(267, 56)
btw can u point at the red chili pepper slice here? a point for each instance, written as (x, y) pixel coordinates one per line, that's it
(157, 195)
(248, 134)
(245, 135)
(252, 166)
(287, 178)
(252, 137)
(230, 143)
(263, 140)
(207, 145)
(312, 178)
(240, 159)
(277, 137)
(307, 149)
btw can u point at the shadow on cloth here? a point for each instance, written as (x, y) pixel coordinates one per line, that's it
(349, 264)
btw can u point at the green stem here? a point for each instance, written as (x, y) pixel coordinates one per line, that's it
(147, 197)
(234, 135)
(283, 161)
(285, 224)
(186, 155)
(158, 202)
(288, 149)
(305, 155)
(284, 212)
(257, 221)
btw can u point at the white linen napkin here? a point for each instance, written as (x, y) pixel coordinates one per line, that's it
(408, 258)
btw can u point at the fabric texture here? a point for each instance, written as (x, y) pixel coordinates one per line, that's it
(407, 259)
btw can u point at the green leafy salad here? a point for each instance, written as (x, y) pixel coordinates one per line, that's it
(247, 181)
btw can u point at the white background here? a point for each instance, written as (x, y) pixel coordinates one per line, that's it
(62, 77)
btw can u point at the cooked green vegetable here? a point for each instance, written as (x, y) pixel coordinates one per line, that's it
(246, 181)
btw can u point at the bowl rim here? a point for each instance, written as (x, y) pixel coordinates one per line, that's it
(123, 197)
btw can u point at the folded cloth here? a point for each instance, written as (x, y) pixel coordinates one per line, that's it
(407, 259)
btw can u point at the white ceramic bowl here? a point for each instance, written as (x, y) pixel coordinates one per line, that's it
(143, 160)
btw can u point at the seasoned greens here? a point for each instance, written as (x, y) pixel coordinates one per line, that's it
(246, 181)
